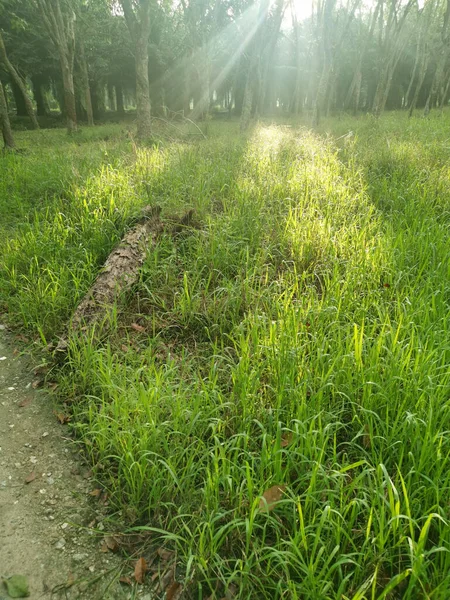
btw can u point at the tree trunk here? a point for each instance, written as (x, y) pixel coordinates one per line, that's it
(247, 104)
(69, 93)
(421, 79)
(4, 121)
(21, 109)
(84, 71)
(17, 80)
(39, 98)
(143, 107)
(445, 95)
(119, 100)
(138, 24)
(60, 26)
(111, 97)
(419, 52)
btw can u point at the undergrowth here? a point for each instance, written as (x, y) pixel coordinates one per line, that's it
(298, 337)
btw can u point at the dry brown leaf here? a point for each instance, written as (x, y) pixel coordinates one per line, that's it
(164, 554)
(137, 327)
(111, 543)
(166, 579)
(25, 402)
(37, 383)
(96, 493)
(62, 418)
(366, 438)
(125, 580)
(31, 477)
(174, 591)
(104, 548)
(124, 348)
(22, 338)
(140, 569)
(230, 592)
(271, 497)
(286, 440)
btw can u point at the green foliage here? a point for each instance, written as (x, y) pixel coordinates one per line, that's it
(298, 337)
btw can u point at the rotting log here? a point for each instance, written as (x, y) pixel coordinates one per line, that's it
(122, 268)
(120, 272)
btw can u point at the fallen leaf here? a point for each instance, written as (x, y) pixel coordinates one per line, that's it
(174, 591)
(62, 418)
(104, 547)
(140, 570)
(22, 338)
(137, 327)
(366, 439)
(166, 579)
(96, 493)
(37, 383)
(271, 497)
(31, 477)
(124, 348)
(164, 554)
(17, 586)
(230, 592)
(25, 402)
(125, 580)
(111, 543)
(286, 440)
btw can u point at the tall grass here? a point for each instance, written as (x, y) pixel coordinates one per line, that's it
(298, 338)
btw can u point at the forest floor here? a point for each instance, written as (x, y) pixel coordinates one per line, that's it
(267, 411)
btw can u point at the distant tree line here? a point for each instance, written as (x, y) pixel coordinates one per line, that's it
(85, 58)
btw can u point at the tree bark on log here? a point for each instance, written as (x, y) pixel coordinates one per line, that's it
(121, 269)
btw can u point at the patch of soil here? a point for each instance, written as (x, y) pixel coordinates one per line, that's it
(47, 515)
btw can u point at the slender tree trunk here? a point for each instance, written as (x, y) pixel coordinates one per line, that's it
(445, 95)
(21, 109)
(111, 97)
(247, 101)
(4, 121)
(84, 71)
(138, 24)
(60, 24)
(421, 79)
(298, 96)
(39, 98)
(69, 93)
(143, 107)
(19, 83)
(419, 53)
(119, 100)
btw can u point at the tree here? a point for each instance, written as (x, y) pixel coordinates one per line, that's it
(4, 121)
(137, 17)
(60, 24)
(19, 83)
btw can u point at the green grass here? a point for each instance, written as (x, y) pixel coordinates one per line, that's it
(299, 337)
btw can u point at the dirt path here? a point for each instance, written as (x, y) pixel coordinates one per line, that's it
(39, 536)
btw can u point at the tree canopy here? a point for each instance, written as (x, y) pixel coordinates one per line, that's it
(195, 57)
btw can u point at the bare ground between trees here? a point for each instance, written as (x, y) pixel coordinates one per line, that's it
(44, 524)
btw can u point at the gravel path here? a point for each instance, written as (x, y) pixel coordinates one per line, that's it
(40, 536)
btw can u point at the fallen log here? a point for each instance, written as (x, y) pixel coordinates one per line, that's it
(120, 272)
